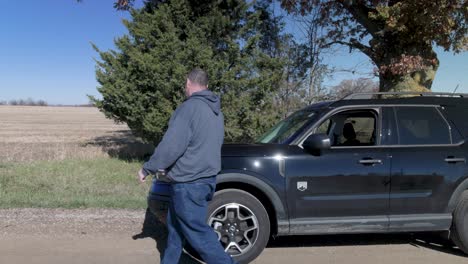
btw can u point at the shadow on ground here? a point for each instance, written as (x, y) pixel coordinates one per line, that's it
(153, 228)
(122, 144)
(433, 241)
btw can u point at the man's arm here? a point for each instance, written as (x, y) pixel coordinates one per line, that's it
(174, 142)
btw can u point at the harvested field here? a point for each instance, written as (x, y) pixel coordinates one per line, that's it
(30, 133)
(68, 157)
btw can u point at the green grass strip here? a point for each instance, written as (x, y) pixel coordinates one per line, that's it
(98, 183)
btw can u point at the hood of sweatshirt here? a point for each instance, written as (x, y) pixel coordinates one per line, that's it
(209, 98)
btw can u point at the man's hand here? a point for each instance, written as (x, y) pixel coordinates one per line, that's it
(142, 175)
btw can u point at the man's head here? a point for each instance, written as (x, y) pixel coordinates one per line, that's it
(197, 80)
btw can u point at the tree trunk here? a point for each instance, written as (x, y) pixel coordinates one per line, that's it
(410, 71)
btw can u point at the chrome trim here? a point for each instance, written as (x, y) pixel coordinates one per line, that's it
(370, 161)
(401, 146)
(454, 160)
(422, 94)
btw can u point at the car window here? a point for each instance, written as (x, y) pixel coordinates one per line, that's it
(456, 117)
(286, 128)
(421, 126)
(350, 128)
(324, 128)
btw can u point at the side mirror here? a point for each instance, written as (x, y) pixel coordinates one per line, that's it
(317, 142)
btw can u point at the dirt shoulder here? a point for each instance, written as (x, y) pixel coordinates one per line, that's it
(69, 222)
(122, 236)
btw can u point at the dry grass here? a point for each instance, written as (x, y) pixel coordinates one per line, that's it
(29, 133)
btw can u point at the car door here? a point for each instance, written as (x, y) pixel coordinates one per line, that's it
(426, 165)
(345, 188)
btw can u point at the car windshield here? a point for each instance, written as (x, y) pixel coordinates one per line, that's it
(285, 129)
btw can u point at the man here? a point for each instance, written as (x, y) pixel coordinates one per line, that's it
(190, 152)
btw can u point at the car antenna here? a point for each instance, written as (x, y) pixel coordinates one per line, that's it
(456, 88)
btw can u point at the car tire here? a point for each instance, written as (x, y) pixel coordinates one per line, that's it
(459, 230)
(235, 205)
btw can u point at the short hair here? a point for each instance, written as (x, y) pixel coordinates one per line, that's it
(198, 76)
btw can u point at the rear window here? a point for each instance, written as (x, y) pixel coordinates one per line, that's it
(459, 116)
(421, 126)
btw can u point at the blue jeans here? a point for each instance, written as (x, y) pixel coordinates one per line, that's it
(186, 221)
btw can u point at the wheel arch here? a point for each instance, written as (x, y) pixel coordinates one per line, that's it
(263, 192)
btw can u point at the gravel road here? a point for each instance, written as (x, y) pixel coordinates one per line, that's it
(126, 236)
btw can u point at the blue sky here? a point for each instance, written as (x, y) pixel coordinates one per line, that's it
(45, 51)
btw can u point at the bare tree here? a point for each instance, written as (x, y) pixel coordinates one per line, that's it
(351, 86)
(399, 36)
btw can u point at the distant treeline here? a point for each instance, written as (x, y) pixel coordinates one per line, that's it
(32, 102)
(28, 101)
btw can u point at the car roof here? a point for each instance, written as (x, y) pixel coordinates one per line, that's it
(419, 100)
(319, 105)
(394, 98)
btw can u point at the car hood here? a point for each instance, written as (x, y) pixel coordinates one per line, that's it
(250, 150)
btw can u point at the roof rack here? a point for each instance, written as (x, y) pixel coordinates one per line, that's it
(379, 95)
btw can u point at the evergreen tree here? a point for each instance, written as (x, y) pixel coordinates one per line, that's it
(237, 43)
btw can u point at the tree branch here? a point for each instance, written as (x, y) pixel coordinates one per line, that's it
(361, 13)
(353, 44)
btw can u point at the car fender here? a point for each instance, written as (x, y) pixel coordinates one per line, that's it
(272, 195)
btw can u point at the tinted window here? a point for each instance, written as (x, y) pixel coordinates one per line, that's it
(457, 114)
(421, 126)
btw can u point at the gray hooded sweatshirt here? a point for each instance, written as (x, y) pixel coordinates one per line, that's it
(191, 146)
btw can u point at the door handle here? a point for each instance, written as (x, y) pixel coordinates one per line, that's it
(370, 161)
(386, 181)
(455, 160)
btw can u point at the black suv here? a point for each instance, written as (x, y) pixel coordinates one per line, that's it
(389, 163)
